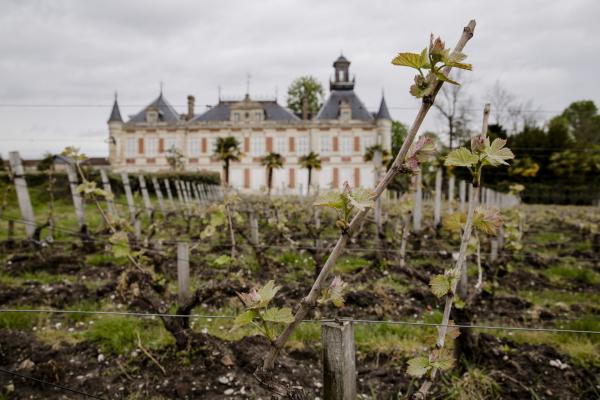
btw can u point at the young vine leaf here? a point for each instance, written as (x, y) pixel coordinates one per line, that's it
(433, 60)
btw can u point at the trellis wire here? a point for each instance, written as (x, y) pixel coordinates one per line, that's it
(31, 378)
(358, 321)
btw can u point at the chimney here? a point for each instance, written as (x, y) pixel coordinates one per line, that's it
(191, 100)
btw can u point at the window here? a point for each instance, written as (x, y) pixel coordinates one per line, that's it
(325, 144)
(302, 145)
(346, 145)
(258, 115)
(130, 148)
(194, 147)
(151, 147)
(367, 142)
(212, 144)
(257, 146)
(152, 116)
(171, 142)
(281, 144)
(236, 117)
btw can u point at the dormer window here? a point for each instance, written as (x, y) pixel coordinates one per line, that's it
(258, 116)
(236, 117)
(345, 111)
(152, 116)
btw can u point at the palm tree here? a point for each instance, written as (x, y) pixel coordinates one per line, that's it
(271, 161)
(310, 161)
(227, 150)
(386, 157)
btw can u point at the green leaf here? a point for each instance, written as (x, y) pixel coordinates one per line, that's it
(442, 360)
(279, 315)
(412, 60)
(222, 260)
(460, 65)
(331, 199)
(442, 77)
(207, 232)
(361, 198)
(496, 154)
(244, 319)
(440, 285)
(120, 244)
(461, 157)
(267, 292)
(217, 218)
(418, 366)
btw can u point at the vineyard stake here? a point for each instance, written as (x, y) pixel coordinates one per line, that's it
(417, 212)
(339, 369)
(462, 189)
(451, 184)
(159, 195)
(437, 208)
(169, 194)
(147, 203)
(183, 271)
(22, 193)
(129, 196)
(106, 186)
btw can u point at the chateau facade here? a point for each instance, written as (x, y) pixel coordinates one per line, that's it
(340, 133)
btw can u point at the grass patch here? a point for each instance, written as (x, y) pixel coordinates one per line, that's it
(545, 238)
(573, 273)
(20, 320)
(351, 264)
(118, 334)
(104, 260)
(475, 384)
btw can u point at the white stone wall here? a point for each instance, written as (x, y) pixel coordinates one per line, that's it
(344, 160)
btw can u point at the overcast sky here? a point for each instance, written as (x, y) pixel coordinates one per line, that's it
(77, 53)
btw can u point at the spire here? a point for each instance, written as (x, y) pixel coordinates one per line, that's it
(383, 112)
(115, 114)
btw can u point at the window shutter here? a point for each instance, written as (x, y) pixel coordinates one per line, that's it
(335, 145)
(356, 177)
(247, 178)
(141, 145)
(336, 178)
(161, 145)
(357, 143)
(247, 145)
(269, 144)
(292, 183)
(292, 146)
(203, 145)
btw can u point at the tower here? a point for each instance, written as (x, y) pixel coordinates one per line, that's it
(115, 126)
(341, 79)
(384, 125)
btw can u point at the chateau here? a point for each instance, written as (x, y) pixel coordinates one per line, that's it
(340, 133)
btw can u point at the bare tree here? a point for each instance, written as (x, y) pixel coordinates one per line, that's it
(508, 112)
(453, 106)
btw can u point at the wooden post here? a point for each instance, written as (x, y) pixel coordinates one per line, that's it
(179, 194)
(77, 199)
(451, 184)
(437, 207)
(183, 271)
(254, 229)
(417, 212)
(129, 196)
(159, 195)
(145, 196)
(22, 193)
(106, 186)
(339, 369)
(169, 194)
(462, 193)
(494, 250)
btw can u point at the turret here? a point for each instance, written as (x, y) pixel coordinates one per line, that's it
(384, 125)
(115, 125)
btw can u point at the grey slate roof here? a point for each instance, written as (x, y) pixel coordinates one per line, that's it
(331, 108)
(166, 112)
(383, 112)
(115, 114)
(341, 59)
(221, 112)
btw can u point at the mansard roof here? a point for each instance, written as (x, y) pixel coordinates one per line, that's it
(331, 108)
(166, 112)
(221, 112)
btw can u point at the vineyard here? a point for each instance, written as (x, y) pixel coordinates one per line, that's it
(163, 286)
